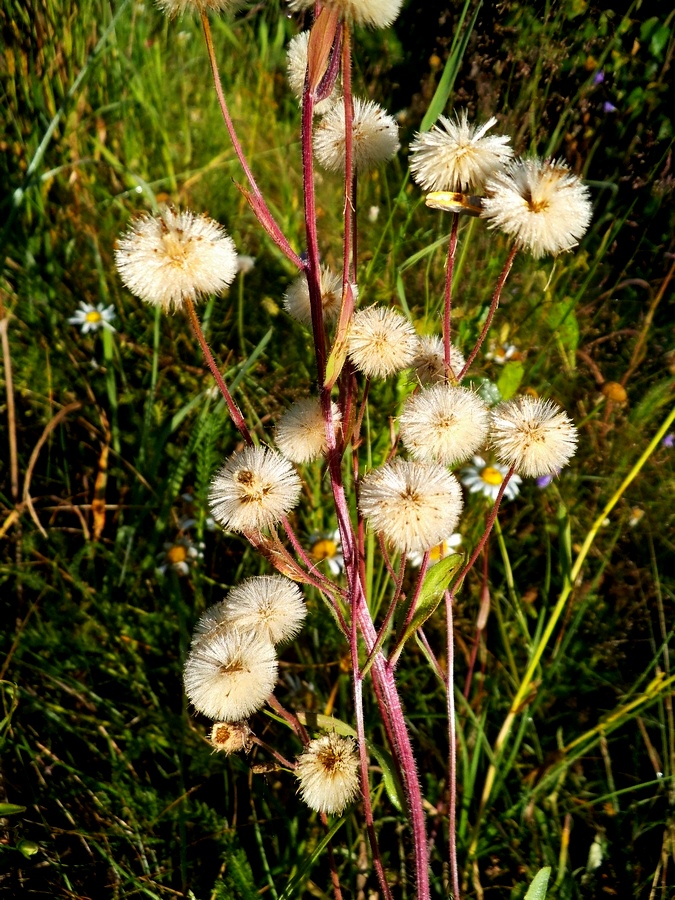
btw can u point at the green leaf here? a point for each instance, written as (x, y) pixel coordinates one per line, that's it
(436, 582)
(563, 323)
(537, 890)
(510, 378)
(10, 809)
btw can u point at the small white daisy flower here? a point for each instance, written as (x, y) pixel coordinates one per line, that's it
(456, 156)
(180, 556)
(540, 203)
(486, 479)
(374, 137)
(167, 258)
(91, 318)
(380, 341)
(503, 353)
(254, 490)
(229, 675)
(327, 547)
(535, 436)
(444, 423)
(301, 432)
(429, 360)
(415, 505)
(447, 546)
(376, 13)
(328, 772)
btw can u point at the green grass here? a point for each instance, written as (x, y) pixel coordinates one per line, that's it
(108, 110)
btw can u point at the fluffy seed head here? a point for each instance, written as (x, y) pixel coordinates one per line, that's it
(540, 203)
(443, 423)
(301, 432)
(415, 505)
(456, 156)
(535, 436)
(429, 360)
(270, 606)
(254, 490)
(230, 737)
(296, 62)
(229, 675)
(168, 258)
(296, 298)
(174, 8)
(328, 772)
(376, 13)
(380, 341)
(375, 137)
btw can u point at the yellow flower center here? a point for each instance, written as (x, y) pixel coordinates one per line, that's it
(324, 549)
(176, 554)
(93, 316)
(491, 475)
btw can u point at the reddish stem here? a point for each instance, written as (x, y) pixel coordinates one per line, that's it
(493, 308)
(447, 307)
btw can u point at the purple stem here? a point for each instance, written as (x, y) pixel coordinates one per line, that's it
(447, 308)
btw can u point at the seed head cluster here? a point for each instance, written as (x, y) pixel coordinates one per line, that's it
(535, 436)
(381, 342)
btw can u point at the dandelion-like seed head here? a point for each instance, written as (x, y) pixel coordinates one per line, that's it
(173, 8)
(375, 13)
(456, 156)
(230, 737)
(328, 772)
(380, 341)
(429, 361)
(540, 203)
(254, 490)
(229, 674)
(415, 505)
(296, 298)
(301, 432)
(296, 62)
(270, 606)
(443, 423)
(375, 137)
(533, 435)
(175, 256)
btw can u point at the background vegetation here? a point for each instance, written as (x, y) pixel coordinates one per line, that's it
(109, 442)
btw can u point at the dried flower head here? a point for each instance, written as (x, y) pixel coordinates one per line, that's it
(230, 737)
(540, 203)
(328, 772)
(229, 674)
(380, 341)
(456, 156)
(270, 606)
(301, 432)
(376, 13)
(296, 298)
(296, 62)
(444, 423)
(486, 478)
(375, 137)
(254, 490)
(168, 258)
(415, 505)
(429, 361)
(535, 436)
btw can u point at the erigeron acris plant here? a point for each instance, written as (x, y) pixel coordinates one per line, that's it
(412, 500)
